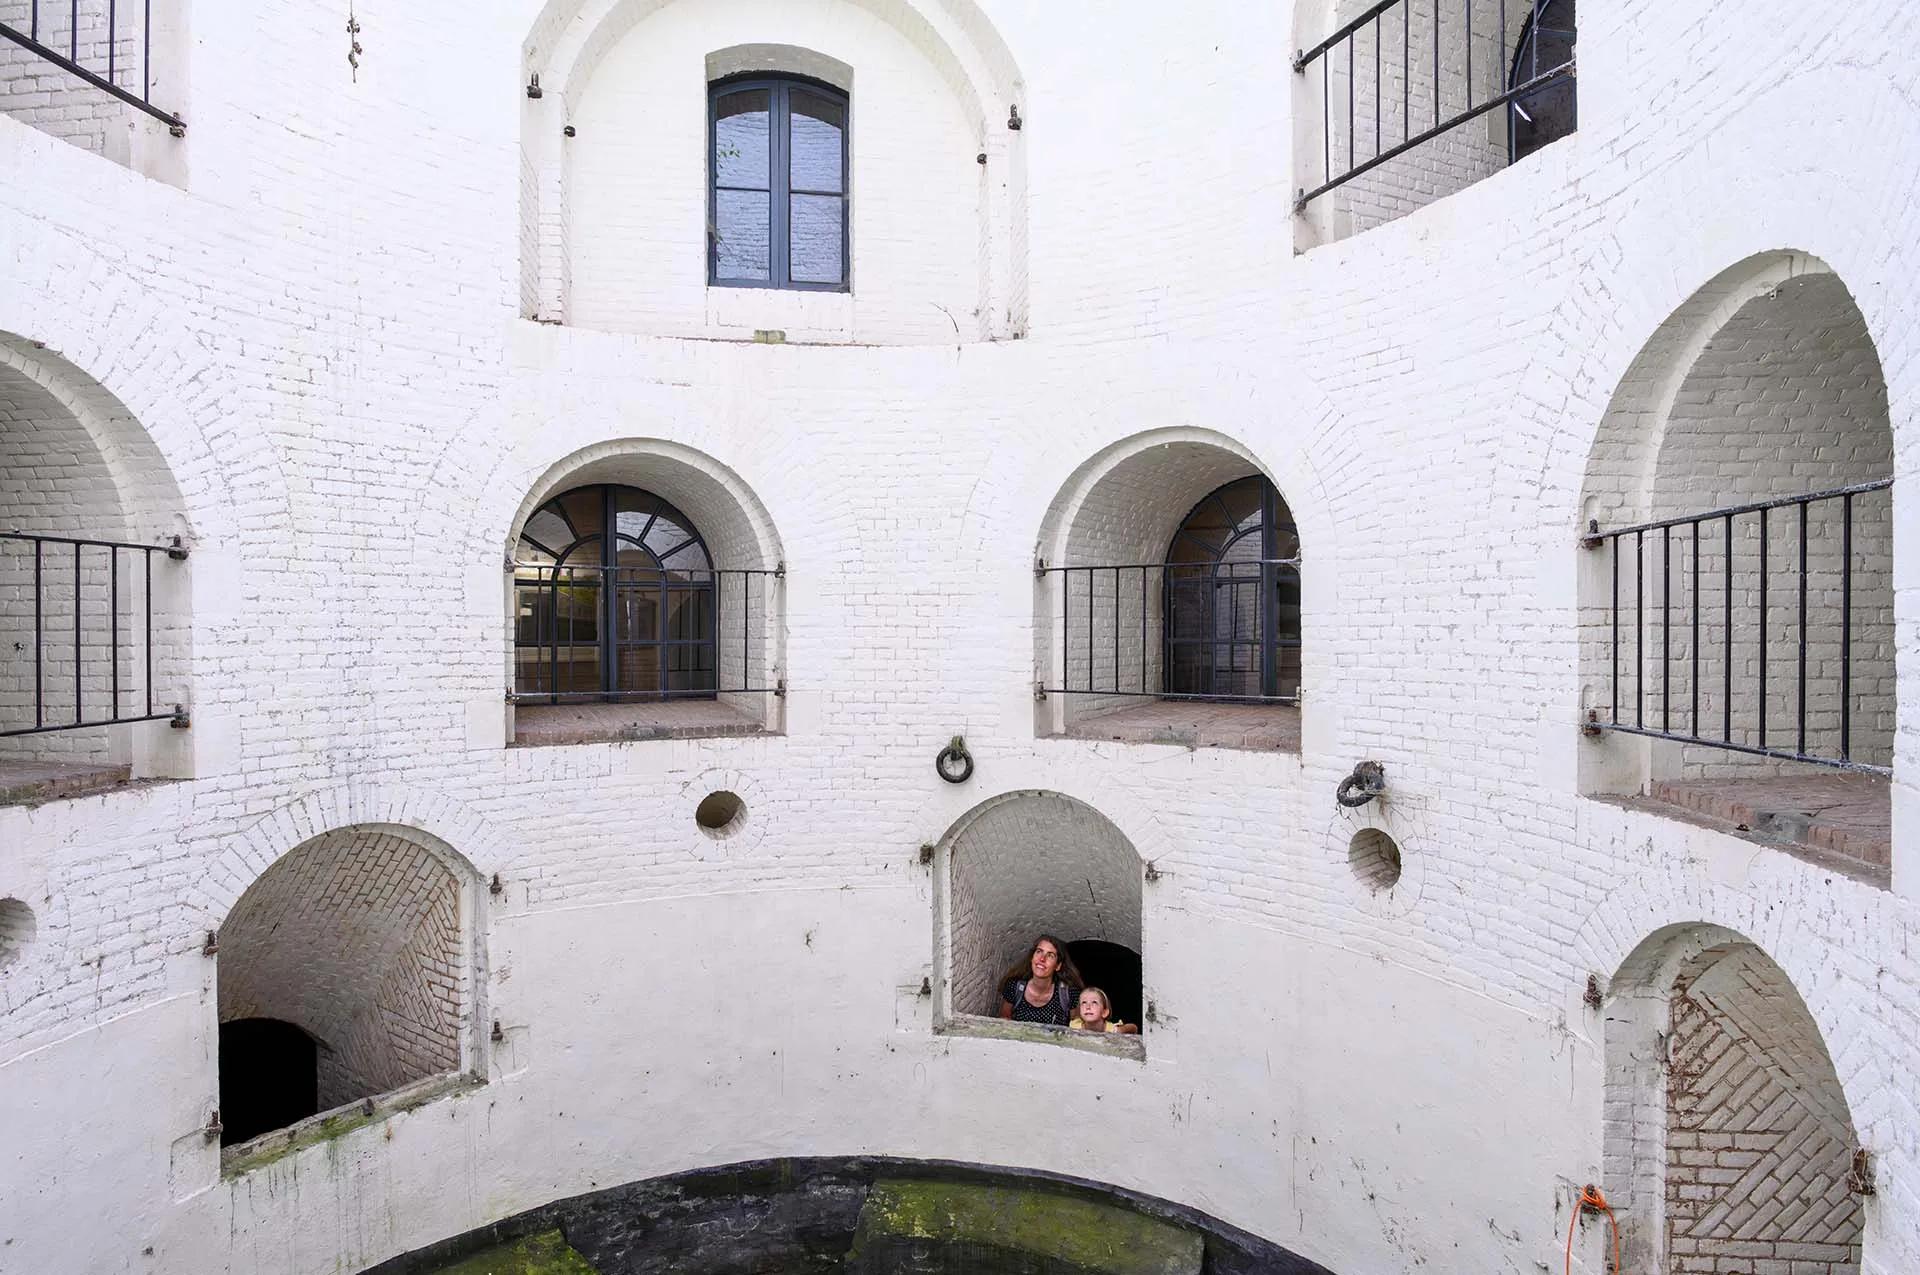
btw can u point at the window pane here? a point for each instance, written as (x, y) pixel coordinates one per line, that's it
(743, 221)
(740, 136)
(819, 143)
(817, 239)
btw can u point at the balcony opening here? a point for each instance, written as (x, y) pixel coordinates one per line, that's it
(647, 603)
(93, 589)
(1737, 573)
(346, 974)
(1729, 1143)
(1169, 604)
(1408, 101)
(102, 75)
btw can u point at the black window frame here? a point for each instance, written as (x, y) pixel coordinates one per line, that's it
(780, 191)
(704, 669)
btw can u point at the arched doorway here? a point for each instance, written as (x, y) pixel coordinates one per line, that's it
(1233, 596)
(1729, 1142)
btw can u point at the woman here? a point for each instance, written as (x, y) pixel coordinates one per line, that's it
(1042, 988)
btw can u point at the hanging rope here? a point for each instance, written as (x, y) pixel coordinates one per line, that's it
(1591, 1200)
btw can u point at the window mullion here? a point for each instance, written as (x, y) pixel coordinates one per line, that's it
(778, 157)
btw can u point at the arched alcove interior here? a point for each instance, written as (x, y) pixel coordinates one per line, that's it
(1140, 507)
(742, 548)
(1765, 386)
(1728, 1138)
(75, 466)
(1347, 114)
(616, 223)
(1031, 864)
(359, 939)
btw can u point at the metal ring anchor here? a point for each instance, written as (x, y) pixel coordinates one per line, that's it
(1368, 780)
(954, 763)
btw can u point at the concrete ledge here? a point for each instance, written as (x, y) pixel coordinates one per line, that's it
(1113, 1044)
(25, 782)
(547, 725)
(1195, 724)
(337, 1123)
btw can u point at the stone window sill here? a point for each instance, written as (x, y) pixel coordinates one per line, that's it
(1111, 1044)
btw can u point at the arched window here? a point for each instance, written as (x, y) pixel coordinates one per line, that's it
(1549, 112)
(614, 599)
(1233, 597)
(778, 199)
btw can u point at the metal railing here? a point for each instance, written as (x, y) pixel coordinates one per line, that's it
(116, 24)
(1445, 104)
(680, 633)
(102, 584)
(1154, 625)
(1749, 649)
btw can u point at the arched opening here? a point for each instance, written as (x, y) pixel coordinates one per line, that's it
(647, 601)
(1729, 1143)
(269, 1077)
(1400, 103)
(1029, 864)
(622, 226)
(1737, 581)
(93, 587)
(1168, 602)
(359, 943)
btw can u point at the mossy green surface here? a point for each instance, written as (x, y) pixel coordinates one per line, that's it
(547, 1253)
(1057, 1227)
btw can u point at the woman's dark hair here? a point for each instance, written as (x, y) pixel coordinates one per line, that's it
(1023, 968)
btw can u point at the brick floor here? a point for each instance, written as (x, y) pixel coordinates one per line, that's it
(25, 782)
(1839, 814)
(543, 724)
(1196, 725)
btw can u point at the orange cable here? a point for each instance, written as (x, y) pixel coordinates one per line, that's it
(1591, 1198)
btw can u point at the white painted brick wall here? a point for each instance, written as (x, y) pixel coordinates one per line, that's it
(318, 332)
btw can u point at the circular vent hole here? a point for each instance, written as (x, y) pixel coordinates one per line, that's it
(719, 812)
(16, 928)
(1375, 859)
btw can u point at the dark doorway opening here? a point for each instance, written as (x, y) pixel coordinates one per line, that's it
(269, 1077)
(1113, 969)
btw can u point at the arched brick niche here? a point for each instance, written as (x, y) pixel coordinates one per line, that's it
(1107, 629)
(1764, 386)
(1027, 864)
(1728, 1140)
(615, 223)
(747, 573)
(361, 938)
(75, 465)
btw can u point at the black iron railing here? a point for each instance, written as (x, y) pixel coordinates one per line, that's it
(86, 608)
(106, 43)
(1702, 647)
(1215, 631)
(1439, 47)
(587, 634)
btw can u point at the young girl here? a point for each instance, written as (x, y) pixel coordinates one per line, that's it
(1094, 1008)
